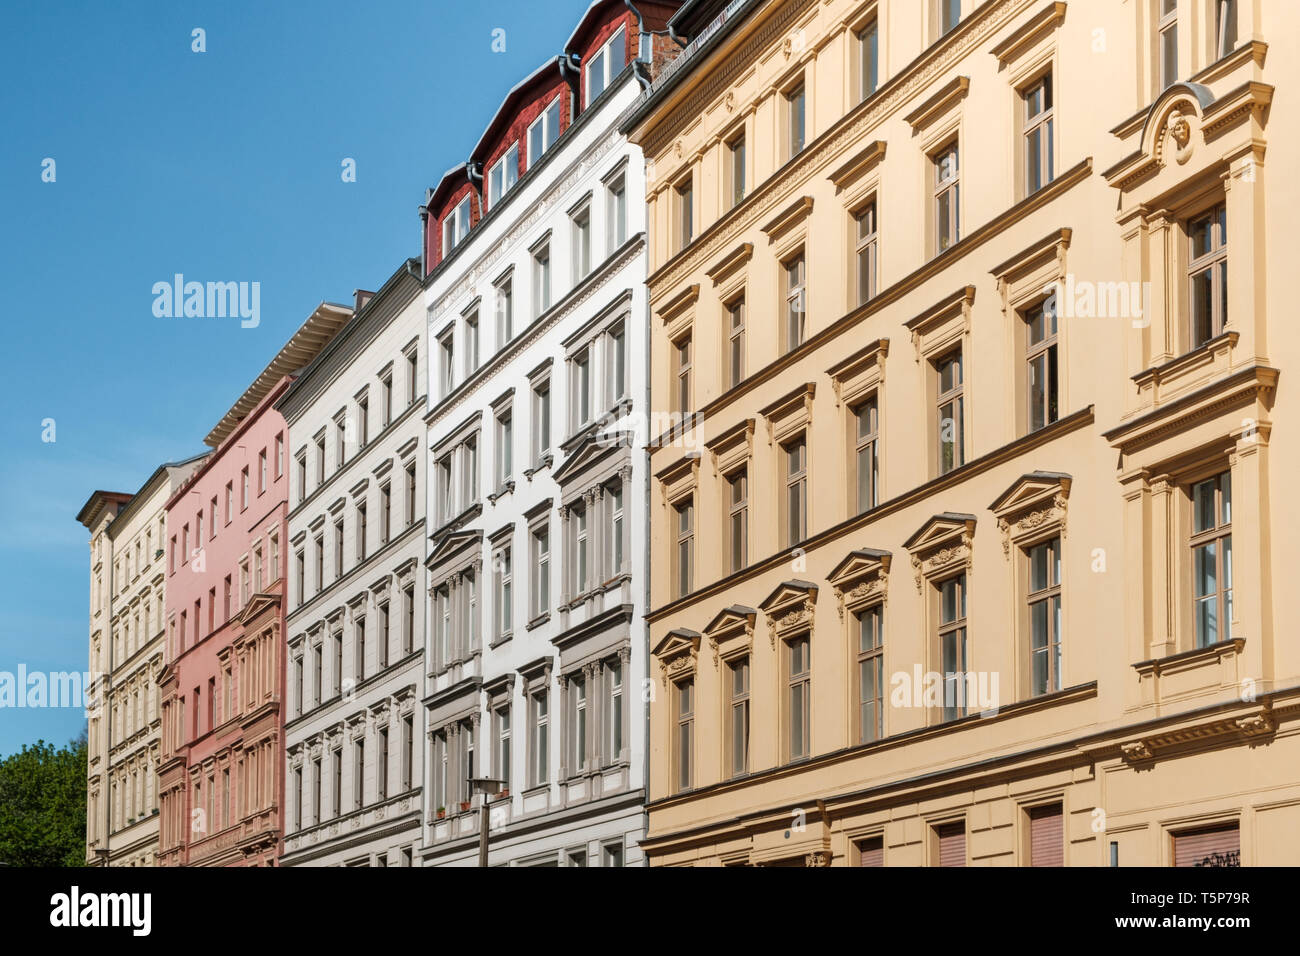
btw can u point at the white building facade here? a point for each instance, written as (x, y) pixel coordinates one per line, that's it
(536, 652)
(355, 621)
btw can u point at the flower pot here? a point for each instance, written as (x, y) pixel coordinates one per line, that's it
(442, 812)
(464, 805)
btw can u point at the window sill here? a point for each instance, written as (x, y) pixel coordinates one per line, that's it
(538, 621)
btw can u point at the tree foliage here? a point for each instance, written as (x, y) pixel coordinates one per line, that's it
(43, 805)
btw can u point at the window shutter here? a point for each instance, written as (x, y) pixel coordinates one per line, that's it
(1213, 846)
(952, 844)
(1046, 836)
(872, 852)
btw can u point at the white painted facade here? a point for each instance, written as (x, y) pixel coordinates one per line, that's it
(573, 639)
(355, 618)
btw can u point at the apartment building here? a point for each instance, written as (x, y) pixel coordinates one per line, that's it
(222, 687)
(972, 305)
(355, 617)
(127, 595)
(536, 644)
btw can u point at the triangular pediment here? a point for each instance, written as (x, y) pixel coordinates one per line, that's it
(945, 528)
(789, 592)
(730, 619)
(596, 448)
(454, 543)
(256, 605)
(1031, 490)
(858, 564)
(677, 642)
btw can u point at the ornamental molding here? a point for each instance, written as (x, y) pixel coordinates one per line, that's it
(677, 654)
(942, 545)
(862, 578)
(1033, 506)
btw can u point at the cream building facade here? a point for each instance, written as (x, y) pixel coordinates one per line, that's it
(978, 310)
(127, 598)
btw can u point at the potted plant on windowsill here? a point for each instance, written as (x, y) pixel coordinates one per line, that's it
(503, 793)
(442, 812)
(464, 805)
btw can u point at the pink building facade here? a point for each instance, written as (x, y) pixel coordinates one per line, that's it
(221, 772)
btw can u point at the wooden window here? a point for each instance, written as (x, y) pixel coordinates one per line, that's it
(1208, 846)
(796, 490)
(1046, 836)
(505, 312)
(685, 214)
(796, 121)
(1211, 544)
(868, 59)
(338, 549)
(614, 711)
(736, 341)
(795, 301)
(581, 551)
(410, 494)
(541, 420)
(1044, 596)
(616, 214)
(1042, 379)
(1167, 41)
(505, 448)
(947, 196)
(952, 645)
(503, 175)
(605, 65)
(1225, 27)
(736, 168)
(950, 843)
(738, 518)
(540, 727)
(580, 255)
(950, 412)
(866, 454)
(798, 697)
(1039, 141)
(385, 512)
(684, 555)
(501, 718)
(541, 589)
(949, 15)
(684, 692)
(865, 251)
(738, 717)
(541, 280)
(682, 361)
(471, 351)
(871, 673)
(1207, 274)
(386, 400)
(504, 595)
(614, 537)
(871, 851)
(577, 725)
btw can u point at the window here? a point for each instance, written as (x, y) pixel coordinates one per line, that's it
(338, 549)
(614, 716)
(381, 768)
(1046, 836)
(243, 489)
(866, 460)
(798, 697)
(684, 692)
(408, 619)
(1211, 545)
(261, 478)
(738, 518)
(317, 674)
(685, 551)
(358, 772)
(1207, 273)
(949, 15)
(297, 685)
(503, 175)
(543, 132)
(386, 400)
(412, 375)
(337, 796)
(340, 440)
(257, 568)
(227, 590)
(685, 214)
(868, 60)
(541, 280)
(504, 583)
(300, 574)
(796, 490)
(212, 527)
(736, 169)
(1167, 41)
(442, 467)
(361, 531)
(795, 305)
(469, 471)
(501, 717)
(738, 717)
(612, 854)
(682, 363)
(455, 227)
(736, 341)
(1040, 354)
(866, 249)
(581, 551)
(616, 214)
(947, 224)
(320, 467)
(385, 512)
(541, 419)
(580, 254)
(614, 538)
(410, 494)
(1039, 142)
(950, 412)
(300, 462)
(616, 361)
(504, 448)
(577, 725)
(870, 676)
(446, 363)
(1208, 846)
(795, 103)
(541, 563)
(539, 727)
(320, 563)
(606, 64)
(952, 645)
(471, 345)
(1225, 27)
(505, 312)
(950, 844)
(230, 501)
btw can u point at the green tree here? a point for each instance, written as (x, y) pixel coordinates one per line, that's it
(43, 805)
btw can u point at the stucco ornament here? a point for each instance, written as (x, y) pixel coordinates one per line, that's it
(1179, 129)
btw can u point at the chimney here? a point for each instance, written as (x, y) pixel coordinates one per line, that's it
(362, 297)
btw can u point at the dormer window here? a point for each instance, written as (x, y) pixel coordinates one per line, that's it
(544, 131)
(503, 175)
(606, 64)
(456, 226)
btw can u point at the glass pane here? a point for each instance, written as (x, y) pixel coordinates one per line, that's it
(796, 719)
(1202, 235)
(945, 228)
(1038, 556)
(1034, 160)
(1203, 505)
(1205, 559)
(949, 600)
(1038, 392)
(1038, 676)
(1038, 633)
(1169, 55)
(866, 469)
(1207, 622)
(1225, 503)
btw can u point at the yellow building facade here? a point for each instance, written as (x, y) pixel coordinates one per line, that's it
(964, 550)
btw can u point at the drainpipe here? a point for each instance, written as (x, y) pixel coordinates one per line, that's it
(570, 71)
(424, 234)
(645, 597)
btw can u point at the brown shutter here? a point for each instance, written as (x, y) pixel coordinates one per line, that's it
(871, 852)
(1213, 846)
(952, 844)
(1046, 836)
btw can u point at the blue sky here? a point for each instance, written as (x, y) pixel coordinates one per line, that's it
(224, 166)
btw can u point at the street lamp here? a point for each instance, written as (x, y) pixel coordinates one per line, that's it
(485, 787)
